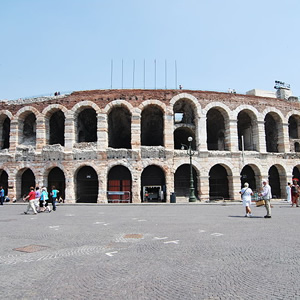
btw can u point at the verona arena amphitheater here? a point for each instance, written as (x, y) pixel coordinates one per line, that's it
(127, 145)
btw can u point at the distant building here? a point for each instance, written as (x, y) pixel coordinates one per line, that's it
(125, 145)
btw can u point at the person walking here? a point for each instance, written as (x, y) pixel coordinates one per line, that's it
(37, 198)
(246, 194)
(31, 199)
(288, 190)
(295, 193)
(1, 195)
(53, 195)
(267, 195)
(45, 198)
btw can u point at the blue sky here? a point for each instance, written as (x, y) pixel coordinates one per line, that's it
(68, 45)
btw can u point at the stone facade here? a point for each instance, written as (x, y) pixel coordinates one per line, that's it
(131, 145)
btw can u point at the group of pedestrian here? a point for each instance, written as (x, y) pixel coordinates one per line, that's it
(265, 193)
(39, 201)
(293, 193)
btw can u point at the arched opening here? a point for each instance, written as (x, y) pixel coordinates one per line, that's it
(181, 136)
(153, 186)
(294, 127)
(182, 181)
(152, 126)
(184, 112)
(87, 185)
(87, 126)
(274, 181)
(296, 173)
(57, 128)
(56, 177)
(246, 132)
(4, 132)
(297, 147)
(28, 130)
(272, 132)
(248, 175)
(119, 128)
(4, 181)
(215, 127)
(218, 183)
(27, 180)
(119, 185)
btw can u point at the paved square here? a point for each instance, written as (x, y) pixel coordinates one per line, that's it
(163, 251)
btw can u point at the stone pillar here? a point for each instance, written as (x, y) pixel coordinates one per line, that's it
(284, 147)
(169, 131)
(261, 147)
(136, 130)
(202, 134)
(102, 132)
(40, 133)
(170, 188)
(70, 188)
(234, 184)
(12, 189)
(232, 139)
(14, 135)
(102, 183)
(204, 188)
(136, 186)
(69, 133)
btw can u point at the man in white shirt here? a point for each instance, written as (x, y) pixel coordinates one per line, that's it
(267, 195)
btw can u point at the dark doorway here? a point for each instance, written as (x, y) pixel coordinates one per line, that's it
(29, 130)
(5, 133)
(296, 173)
(119, 185)
(152, 126)
(218, 183)
(245, 132)
(274, 182)
(87, 185)
(248, 175)
(271, 131)
(182, 181)
(153, 185)
(57, 128)
(215, 127)
(181, 136)
(4, 181)
(27, 180)
(56, 177)
(119, 128)
(87, 126)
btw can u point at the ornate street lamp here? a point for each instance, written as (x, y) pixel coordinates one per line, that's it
(190, 153)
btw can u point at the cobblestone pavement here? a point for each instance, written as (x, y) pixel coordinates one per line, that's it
(166, 251)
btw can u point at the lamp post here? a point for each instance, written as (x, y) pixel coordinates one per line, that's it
(190, 153)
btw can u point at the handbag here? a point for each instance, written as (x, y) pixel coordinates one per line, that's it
(260, 202)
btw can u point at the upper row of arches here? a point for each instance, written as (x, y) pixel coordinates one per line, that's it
(216, 125)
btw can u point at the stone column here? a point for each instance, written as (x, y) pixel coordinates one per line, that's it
(202, 134)
(136, 130)
(169, 131)
(40, 133)
(70, 189)
(234, 184)
(261, 147)
(102, 186)
(170, 187)
(232, 139)
(204, 188)
(14, 135)
(136, 186)
(102, 132)
(69, 133)
(284, 147)
(12, 189)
